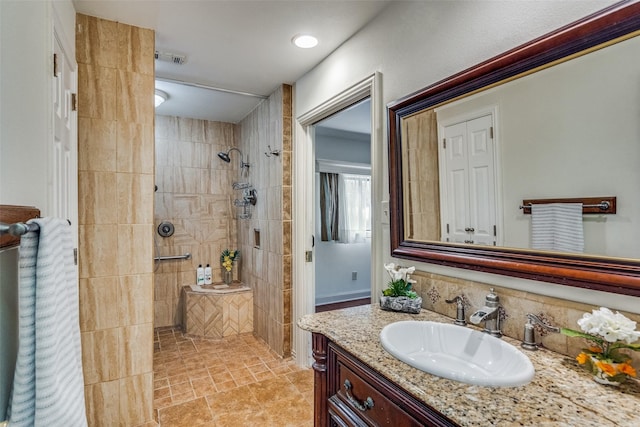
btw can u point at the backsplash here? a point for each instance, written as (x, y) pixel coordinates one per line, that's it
(435, 289)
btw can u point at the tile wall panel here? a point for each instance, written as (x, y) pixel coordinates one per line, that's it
(269, 272)
(116, 162)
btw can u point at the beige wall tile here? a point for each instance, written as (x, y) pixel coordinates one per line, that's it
(100, 355)
(134, 249)
(135, 200)
(96, 92)
(191, 130)
(136, 400)
(97, 198)
(135, 147)
(96, 145)
(135, 103)
(96, 41)
(135, 349)
(103, 404)
(136, 303)
(98, 303)
(98, 249)
(134, 45)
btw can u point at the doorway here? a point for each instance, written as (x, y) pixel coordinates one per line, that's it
(303, 196)
(342, 229)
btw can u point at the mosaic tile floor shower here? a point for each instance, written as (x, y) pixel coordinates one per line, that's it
(235, 381)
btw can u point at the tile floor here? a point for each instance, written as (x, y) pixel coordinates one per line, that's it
(235, 381)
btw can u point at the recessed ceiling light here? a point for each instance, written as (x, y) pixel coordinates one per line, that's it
(305, 41)
(160, 97)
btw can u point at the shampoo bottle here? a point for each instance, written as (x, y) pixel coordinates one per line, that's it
(207, 275)
(200, 275)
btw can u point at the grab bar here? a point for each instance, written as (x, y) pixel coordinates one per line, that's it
(171, 257)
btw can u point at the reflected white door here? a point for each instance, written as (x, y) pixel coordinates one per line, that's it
(469, 187)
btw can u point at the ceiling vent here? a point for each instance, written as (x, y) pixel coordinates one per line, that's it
(170, 57)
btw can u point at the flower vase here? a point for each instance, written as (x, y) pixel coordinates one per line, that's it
(601, 375)
(227, 275)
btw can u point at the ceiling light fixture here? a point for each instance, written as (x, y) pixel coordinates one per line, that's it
(160, 97)
(304, 41)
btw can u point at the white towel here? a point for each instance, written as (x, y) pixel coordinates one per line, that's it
(557, 227)
(48, 386)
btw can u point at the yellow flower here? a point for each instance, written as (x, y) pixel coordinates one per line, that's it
(606, 368)
(582, 358)
(625, 368)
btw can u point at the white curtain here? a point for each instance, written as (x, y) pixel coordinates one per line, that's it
(354, 196)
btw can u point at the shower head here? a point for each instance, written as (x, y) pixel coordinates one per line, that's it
(226, 158)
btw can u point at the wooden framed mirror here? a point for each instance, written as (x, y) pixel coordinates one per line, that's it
(612, 263)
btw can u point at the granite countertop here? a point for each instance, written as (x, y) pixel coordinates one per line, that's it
(561, 393)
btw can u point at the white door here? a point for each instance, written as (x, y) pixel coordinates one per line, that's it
(64, 151)
(470, 188)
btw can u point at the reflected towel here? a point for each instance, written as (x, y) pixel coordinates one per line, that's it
(557, 227)
(48, 386)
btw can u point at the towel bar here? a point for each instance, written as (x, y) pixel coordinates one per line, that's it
(590, 205)
(18, 229)
(604, 205)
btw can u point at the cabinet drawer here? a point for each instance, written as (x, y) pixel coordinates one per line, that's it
(369, 399)
(367, 402)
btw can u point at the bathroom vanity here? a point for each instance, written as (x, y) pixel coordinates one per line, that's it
(357, 383)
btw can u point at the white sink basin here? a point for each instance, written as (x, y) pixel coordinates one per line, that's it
(457, 353)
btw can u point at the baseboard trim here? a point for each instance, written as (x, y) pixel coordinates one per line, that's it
(342, 304)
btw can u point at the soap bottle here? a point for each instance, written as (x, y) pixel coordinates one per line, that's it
(207, 275)
(200, 275)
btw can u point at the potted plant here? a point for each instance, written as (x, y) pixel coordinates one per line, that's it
(608, 333)
(399, 296)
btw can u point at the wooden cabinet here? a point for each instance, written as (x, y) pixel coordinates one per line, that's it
(349, 393)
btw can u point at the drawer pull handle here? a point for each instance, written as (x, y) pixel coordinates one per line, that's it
(367, 404)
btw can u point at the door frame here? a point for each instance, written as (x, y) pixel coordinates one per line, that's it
(303, 203)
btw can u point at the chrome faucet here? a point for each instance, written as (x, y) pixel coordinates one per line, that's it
(460, 316)
(489, 314)
(529, 341)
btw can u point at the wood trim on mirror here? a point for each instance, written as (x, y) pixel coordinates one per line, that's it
(615, 275)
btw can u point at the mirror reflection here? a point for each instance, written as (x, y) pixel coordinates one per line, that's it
(568, 131)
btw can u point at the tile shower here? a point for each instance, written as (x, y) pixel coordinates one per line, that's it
(194, 193)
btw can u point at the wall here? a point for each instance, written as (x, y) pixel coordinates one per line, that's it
(420, 43)
(267, 269)
(116, 180)
(26, 111)
(195, 194)
(334, 262)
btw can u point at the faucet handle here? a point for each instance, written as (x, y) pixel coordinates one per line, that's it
(529, 340)
(460, 315)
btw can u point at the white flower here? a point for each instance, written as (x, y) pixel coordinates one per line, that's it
(399, 273)
(612, 327)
